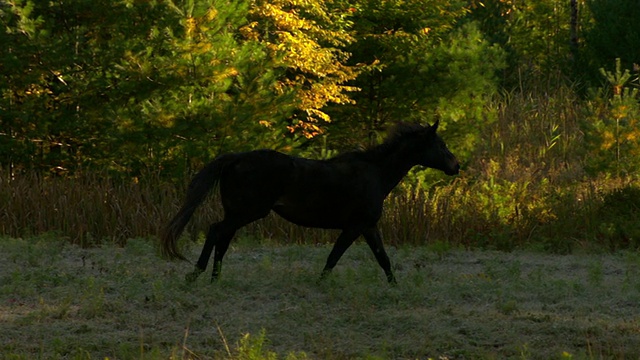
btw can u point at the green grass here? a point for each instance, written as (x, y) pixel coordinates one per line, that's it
(61, 301)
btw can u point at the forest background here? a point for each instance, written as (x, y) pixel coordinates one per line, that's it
(108, 107)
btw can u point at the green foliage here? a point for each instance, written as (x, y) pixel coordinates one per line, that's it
(612, 33)
(535, 34)
(253, 348)
(133, 85)
(613, 123)
(222, 94)
(461, 78)
(617, 218)
(418, 63)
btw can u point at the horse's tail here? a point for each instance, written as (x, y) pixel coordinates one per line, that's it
(201, 184)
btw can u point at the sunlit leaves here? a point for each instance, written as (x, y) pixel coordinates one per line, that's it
(305, 40)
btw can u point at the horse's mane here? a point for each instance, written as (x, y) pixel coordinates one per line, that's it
(396, 135)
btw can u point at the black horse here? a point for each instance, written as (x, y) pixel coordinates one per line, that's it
(345, 192)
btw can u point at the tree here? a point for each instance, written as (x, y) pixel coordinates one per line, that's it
(422, 63)
(612, 126)
(219, 92)
(539, 36)
(612, 33)
(305, 39)
(130, 85)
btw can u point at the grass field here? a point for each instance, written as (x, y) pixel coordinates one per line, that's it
(62, 301)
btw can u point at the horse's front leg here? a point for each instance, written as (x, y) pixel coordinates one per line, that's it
(193, 276)
(346, 238)
(374, 240)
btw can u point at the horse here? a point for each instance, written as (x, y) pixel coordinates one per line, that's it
(345, 192)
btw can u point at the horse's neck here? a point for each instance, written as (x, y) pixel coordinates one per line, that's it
(394, 165)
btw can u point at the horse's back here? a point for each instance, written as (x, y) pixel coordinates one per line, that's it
(315, 193)
(256, 177)
(331, 194)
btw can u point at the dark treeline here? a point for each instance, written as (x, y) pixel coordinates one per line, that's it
(166, 85)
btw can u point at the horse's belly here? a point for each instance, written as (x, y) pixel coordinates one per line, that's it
(310, 217)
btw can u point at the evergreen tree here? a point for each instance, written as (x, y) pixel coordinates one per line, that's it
(613, 33)
(539, 36)
(421, 63)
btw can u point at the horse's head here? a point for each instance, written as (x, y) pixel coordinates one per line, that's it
(434, 152)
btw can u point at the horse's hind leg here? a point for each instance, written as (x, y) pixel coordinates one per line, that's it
(374, 240)
(225, 234)
(218, 236)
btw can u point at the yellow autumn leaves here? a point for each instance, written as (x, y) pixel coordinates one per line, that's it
(296, 34)
(301, 39)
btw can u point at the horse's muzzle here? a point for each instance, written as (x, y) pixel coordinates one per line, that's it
(454, 170)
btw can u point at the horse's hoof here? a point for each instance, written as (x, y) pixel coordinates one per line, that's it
(391, 279)
(193, 276)
(323, 276)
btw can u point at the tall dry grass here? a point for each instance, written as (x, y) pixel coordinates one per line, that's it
(469, 212)
(85, 209)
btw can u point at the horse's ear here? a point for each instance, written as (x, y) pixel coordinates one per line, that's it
(433, 128)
